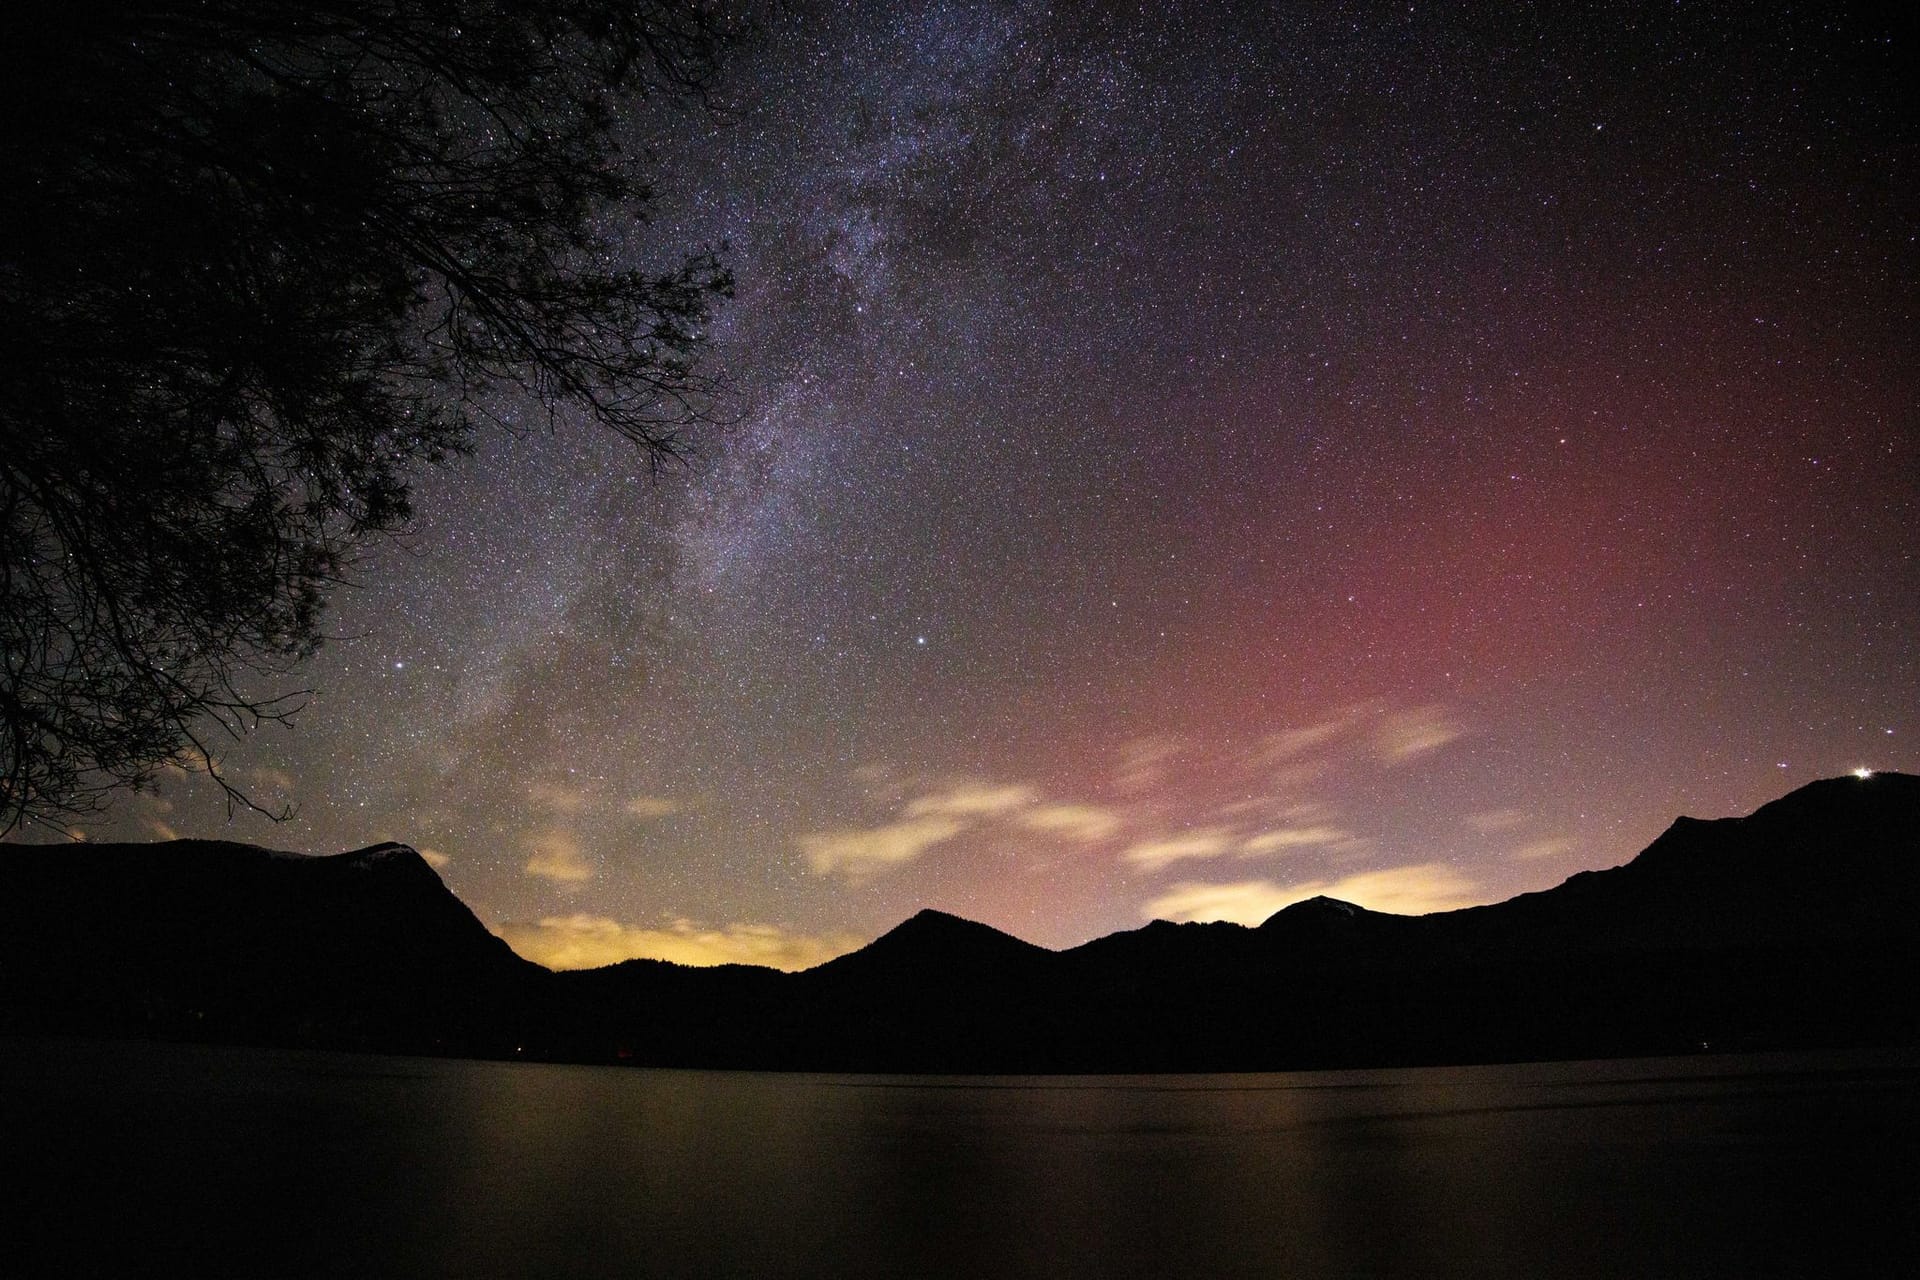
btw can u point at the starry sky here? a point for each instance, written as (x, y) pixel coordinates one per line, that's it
(1185, 458)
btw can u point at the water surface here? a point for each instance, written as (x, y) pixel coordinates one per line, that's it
(264, 1163)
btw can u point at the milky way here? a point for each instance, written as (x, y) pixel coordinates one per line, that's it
(1180, 462)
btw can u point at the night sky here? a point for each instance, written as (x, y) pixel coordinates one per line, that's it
(1184, 462)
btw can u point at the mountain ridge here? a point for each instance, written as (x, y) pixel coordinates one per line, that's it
(1793, 925)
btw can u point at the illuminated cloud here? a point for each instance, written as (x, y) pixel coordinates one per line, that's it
(1144, 761)
(645, 807)
(556, 797)
(588, 941)
(555, 855)
(278, 779)
(1552, 848)
(188, 760)
(859, 854)
(151, 811)
(1493, 821)
(1083, 822)
(1292, 838)
(1277, 748)
(434, 858)
(1152, 855)
(1408, 735)
(1285, 811)
(1413, 890)
(1300, 773)
(974, 800)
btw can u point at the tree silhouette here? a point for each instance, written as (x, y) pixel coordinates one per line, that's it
(258, 262)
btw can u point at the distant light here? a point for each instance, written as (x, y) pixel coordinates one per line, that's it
(1863, 772)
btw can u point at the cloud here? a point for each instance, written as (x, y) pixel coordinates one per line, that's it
(588, 941)
(1300, 773)
(190, 759)
(555, 855)
(1292, 838)
(1143, 762)
(1281, 810)
(1277, 748)
(934, 816)
(1209, 842)
(860, 853)
(1550, 848)
(1411, 890)
(278, 779)
(1490, 821)
(434, 858)
(645, 807)
(160, 830)
(974, 800)
(1075, 821)
(556, 797)
(1408, 735)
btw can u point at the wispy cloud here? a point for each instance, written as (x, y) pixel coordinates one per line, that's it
(1549, 848)
(1411, 734)
(556, 797)
(1144, 762)
(277, 779)
(189, 760)
(645, 807)
(588, 941)
(931, 811)
(1292, 838)
(1288, 744)
(1490, 821)
(1410, 890)
(1083, 822)
(434, 857)
(1152, 855)
(857, 854)
(973, 800)
(556, 855)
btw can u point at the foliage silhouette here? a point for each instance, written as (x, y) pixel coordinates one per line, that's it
(260, 260)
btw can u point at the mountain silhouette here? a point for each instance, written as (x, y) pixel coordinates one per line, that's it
(1795, 926)
(934, 944)
(225, 941)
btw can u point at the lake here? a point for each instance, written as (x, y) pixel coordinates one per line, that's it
(222, 1161)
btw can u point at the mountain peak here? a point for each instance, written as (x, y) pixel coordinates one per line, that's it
(385, 851)
(928, 926)
(930, 940)
(927, 917)
(1845, 815)
(390, 860)
(1861, 792)
(1318, 907)
(388, 853)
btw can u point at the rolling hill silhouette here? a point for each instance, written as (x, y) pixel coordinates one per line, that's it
(1796, 926)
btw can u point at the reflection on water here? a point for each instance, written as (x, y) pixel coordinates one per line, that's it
(262, 1163)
